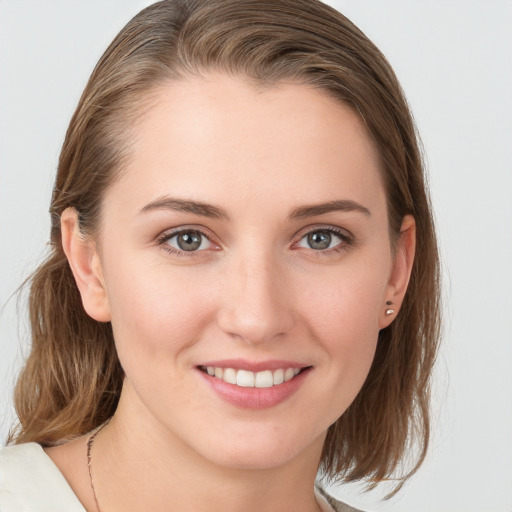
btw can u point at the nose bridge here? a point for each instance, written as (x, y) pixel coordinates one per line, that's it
(255, 306)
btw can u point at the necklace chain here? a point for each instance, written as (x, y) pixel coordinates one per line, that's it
(90, 442)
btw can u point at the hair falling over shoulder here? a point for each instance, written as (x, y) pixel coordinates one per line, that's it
(72, 379)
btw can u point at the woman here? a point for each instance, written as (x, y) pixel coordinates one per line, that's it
(243, 284)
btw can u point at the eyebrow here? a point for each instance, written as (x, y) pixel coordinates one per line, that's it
(187, 206)
(342, 205)
(215, 212)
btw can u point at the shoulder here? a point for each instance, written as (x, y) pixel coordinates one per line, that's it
(30, 481)
(335, 505)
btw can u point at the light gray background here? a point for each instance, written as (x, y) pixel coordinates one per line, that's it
(454, 59)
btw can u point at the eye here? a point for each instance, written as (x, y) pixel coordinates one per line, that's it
(189, 240)
(323, 239)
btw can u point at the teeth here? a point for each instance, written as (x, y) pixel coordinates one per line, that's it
(278, 377)
(247, 379)
(288, 374)
(264, 379)
(229, 376)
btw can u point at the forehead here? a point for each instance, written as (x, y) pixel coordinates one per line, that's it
(220, 138)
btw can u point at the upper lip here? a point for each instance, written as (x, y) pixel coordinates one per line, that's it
(254, 366)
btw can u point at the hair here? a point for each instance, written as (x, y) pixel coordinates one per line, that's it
(72, 379)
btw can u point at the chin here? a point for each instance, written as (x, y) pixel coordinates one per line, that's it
(263, 452)
(254, 460)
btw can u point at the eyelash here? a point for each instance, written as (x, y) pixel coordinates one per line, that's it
(346, 238)
(163, 239)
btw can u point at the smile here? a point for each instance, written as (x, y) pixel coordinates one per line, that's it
(248, 379)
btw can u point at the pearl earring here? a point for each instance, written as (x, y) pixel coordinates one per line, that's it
(389, 311)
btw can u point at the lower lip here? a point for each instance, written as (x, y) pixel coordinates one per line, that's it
(255, 398)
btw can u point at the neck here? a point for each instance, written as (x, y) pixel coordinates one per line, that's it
(140, 465)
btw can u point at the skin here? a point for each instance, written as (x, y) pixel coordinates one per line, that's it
(256, 290)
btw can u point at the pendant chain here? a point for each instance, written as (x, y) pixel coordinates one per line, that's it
(90, 442)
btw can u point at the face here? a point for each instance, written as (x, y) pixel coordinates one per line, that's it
(244, 261)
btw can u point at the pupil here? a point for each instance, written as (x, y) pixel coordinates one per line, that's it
(319, 240)
(189, 241)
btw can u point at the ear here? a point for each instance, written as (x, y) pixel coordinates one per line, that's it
(84, 261)
(400, 271)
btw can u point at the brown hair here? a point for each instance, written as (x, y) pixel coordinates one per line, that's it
(72, 379)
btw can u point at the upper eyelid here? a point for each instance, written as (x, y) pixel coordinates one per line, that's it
(170, 232)
(324, 227)
(204, 231)
(162, 242)
(347, 239)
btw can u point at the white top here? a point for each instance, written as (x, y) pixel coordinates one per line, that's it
(31, 482)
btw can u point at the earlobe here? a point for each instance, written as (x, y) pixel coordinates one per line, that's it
(85, 264)
(400, 272)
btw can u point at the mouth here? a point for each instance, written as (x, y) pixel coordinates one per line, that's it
(249, 379)
(254, 385)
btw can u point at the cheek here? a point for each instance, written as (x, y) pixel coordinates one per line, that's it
(344, 320)
(155, 312)
(349, 304)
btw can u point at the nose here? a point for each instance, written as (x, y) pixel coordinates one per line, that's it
(255, 306)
